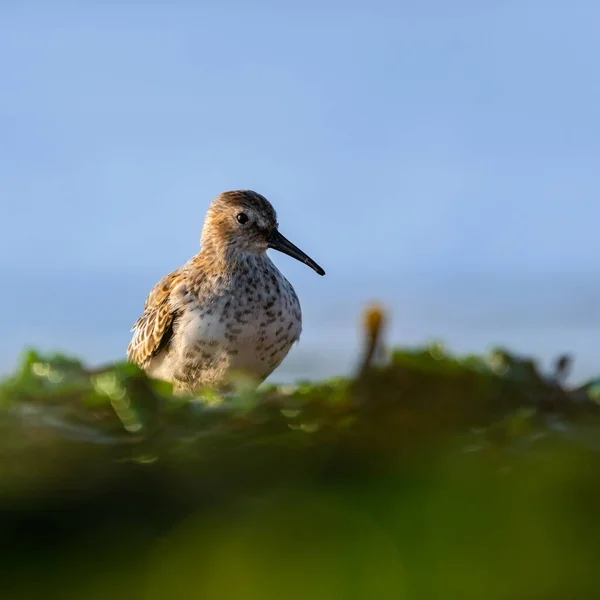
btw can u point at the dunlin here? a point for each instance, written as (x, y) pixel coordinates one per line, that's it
(228, 308)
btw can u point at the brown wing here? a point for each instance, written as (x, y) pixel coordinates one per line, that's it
(153, 330)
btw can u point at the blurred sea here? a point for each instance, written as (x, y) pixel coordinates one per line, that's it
(89, 315)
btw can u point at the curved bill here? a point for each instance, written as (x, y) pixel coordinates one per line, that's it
(279, 242)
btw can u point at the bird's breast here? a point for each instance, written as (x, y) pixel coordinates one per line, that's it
(251, 330)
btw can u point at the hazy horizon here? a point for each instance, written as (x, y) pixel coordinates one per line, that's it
(89, 315)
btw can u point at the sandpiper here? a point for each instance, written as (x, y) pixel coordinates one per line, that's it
(228, 308)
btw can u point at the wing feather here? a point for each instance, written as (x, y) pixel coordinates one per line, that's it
(153, 330)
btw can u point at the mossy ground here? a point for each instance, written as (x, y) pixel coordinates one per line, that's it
(429, 476)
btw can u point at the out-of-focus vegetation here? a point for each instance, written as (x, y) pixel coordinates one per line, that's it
(426, 476)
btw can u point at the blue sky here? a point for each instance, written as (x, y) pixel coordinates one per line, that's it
(440, 156)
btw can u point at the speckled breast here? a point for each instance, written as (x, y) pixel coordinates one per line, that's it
(260, 337)
(249, 327)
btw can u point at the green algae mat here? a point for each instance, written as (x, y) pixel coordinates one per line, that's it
(424, 476)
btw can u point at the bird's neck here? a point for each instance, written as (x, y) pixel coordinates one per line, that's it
(232, 262)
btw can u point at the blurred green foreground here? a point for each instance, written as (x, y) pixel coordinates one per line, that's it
(424, 477)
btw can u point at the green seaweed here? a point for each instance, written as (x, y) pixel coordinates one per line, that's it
(425, 475)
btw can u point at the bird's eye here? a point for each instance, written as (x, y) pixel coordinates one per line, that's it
(242, 218)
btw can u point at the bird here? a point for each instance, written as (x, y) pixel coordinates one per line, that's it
(228, 309)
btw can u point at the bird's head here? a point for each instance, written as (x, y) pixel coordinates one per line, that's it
(245, 221)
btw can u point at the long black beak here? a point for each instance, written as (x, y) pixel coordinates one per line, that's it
(278, 242)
